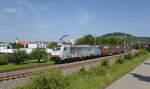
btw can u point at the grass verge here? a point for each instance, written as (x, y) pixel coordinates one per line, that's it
(102, 76)
(23, 65)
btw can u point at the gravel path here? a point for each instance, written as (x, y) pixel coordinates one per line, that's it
(14, 83)
(139, 78)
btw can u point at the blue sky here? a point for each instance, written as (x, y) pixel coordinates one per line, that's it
(48, 20)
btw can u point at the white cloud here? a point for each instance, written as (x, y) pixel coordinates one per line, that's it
(83, 18)
(11, 10)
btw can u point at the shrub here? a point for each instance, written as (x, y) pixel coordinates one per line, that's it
(143, 47)
(83, 70)
(143, 52)
(51, 80)
(137, 54)
(102, 71)
(128, 56)
(148, 48)
(136, 46)
(99, 70)
(105, 62)
(3, 59)
(120, 60)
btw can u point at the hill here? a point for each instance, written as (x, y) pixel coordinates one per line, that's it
(129, 37)
(110, 38)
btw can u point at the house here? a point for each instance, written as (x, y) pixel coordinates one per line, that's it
(4, 45)
(42, 44)
(32, 45)
(22, 42)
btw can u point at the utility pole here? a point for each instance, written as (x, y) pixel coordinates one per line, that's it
(95, 39)
(125, 42)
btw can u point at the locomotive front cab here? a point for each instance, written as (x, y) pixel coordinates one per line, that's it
(55, 56)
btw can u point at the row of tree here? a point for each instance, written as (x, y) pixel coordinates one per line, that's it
(22, 56)
(37, 54)
(91, 40)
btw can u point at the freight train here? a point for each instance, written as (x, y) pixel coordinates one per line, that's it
(63, 53)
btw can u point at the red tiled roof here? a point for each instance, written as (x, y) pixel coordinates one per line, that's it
(22, 42)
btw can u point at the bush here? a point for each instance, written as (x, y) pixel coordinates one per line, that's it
(97, 71)
(148, 49)
(52, 80)
(136, 46)
(83, 70)
(19, 56)
(3, 59)
(128, 56)
(143, 52)
(120, 60)
(102, 71)
(137, 54)
(105, 62)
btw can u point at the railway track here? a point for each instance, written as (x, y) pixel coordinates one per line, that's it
(17, 69)
(59, 66)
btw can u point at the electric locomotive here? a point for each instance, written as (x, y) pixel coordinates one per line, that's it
(63, 53)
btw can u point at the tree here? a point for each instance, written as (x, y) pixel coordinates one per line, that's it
(16, 45)
(90, 40)
(115, 41)
(86, 40)
(19, 56)
(39, 54)
(3, 59)
(109, 40)
(8, 47)
(52, 44)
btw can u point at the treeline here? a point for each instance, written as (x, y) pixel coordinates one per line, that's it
(91, 40)
(20, 56)
(116, 34)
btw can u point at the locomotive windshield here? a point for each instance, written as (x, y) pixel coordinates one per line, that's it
(57, 48)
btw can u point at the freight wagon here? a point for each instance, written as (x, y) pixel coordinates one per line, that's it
(107, 50)
(61, 53)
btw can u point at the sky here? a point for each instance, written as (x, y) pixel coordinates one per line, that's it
(48, 20)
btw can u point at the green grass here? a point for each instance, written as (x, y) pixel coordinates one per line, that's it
(95, 78)
(102, 76)
(23, 65)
